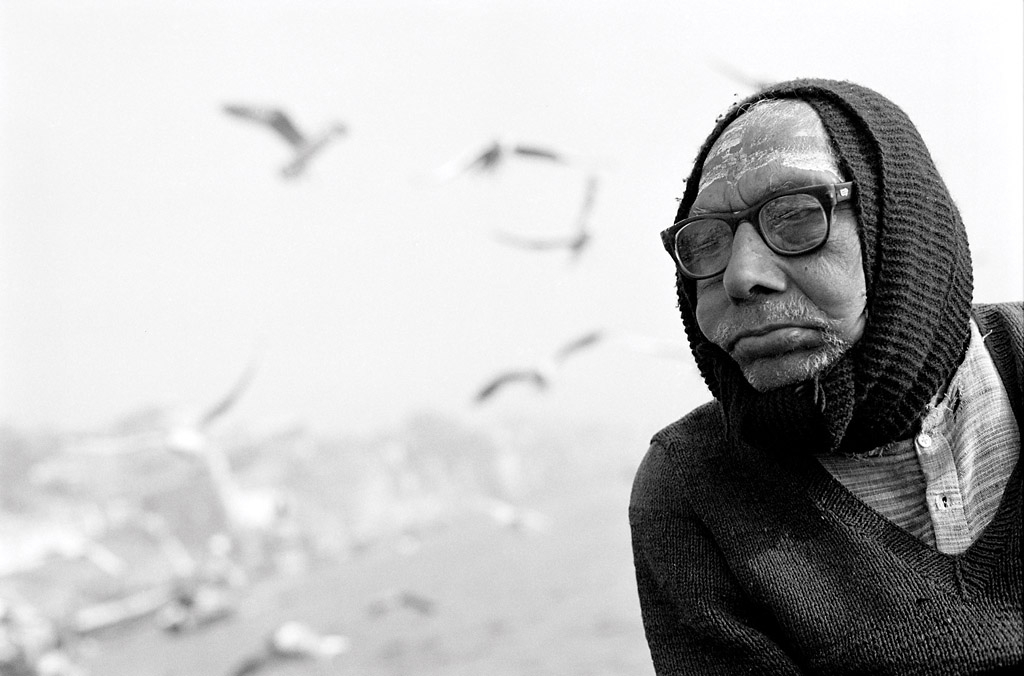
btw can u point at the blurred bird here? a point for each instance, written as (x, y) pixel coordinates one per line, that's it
(292, 641)
(736, 75)
(532, 376)
(194, 605)
(542, 375)
(305, 147)
(190, 436)
(229, 399)
(584, 341)
(574, 243)
(539, 376)
(246, 508)
(73, 545)
(395, 599)
(515, 518)
(493, 156)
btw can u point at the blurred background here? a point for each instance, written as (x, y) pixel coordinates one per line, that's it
(244, 404)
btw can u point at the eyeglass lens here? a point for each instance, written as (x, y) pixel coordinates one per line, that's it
(790, 224)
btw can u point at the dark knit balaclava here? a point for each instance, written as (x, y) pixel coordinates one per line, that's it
(917, 269)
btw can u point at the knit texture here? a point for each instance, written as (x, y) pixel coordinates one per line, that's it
(917, 267)
(760, 563)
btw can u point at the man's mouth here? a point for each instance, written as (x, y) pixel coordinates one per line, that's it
(773, 341)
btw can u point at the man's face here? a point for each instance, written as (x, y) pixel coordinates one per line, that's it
(783, 319)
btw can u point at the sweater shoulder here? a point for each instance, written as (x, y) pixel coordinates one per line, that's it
(679, 457)
(1007, 317)
(1002, 326)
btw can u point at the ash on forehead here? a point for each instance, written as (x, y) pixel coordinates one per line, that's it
(789, 133)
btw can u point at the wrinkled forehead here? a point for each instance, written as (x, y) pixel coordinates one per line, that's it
(771, 133)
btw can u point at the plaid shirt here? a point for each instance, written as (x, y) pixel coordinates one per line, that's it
(944, 485)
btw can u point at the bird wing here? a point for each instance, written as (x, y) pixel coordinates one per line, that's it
(474, 160)
(306, 152)
(273, 117)
(283, 125)
(589, 195)
(501, 380)
(417, 602)
(588, 339)
(574, 242)
(249, 112)
(537, 244)
(229, 400)
(539, 153)
(739, 76)
(251, 665)
(488, 159)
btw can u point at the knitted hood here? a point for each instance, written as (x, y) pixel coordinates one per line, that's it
(917, 269)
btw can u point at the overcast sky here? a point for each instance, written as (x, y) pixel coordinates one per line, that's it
(150, 249)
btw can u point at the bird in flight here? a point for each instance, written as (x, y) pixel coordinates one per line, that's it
(493, 156)
(584, 341)
(290, 642)
(574, 243)
(539, 376)
(228, 401)
(741, 77)
(190, 436)
(306, 147)
(513, 517)
(531, 376)
(395, 599)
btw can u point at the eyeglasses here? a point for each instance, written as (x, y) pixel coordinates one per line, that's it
(791, 223)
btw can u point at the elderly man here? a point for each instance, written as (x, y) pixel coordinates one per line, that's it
(850, 502)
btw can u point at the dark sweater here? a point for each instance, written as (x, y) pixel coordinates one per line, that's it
(751, 562)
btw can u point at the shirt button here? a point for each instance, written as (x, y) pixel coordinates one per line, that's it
(924, 440)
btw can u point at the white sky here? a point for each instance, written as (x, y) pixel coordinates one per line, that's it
(149, 249)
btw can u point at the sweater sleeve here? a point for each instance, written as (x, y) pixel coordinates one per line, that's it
(696, 617)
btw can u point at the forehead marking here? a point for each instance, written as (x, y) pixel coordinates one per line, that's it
(787, 133)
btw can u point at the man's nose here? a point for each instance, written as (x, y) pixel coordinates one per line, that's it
(753, 268)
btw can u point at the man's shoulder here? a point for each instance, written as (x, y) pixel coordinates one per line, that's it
(1002, 327)
(701, 427)
(1003, 317)
(680, 455)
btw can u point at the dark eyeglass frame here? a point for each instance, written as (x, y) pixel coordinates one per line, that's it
(829, 195)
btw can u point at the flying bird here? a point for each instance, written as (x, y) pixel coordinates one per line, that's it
(292, 641)
(584, 341)
(194, 606)
(230, 399)
(539, 376)
(493, 156)
(532, 376)
(542, 375)
(306, 147)
(191, 436)
(574, 243)
(513, 517)
(736, 75)
(395, 599)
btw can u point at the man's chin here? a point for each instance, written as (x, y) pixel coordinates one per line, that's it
(772, 373)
